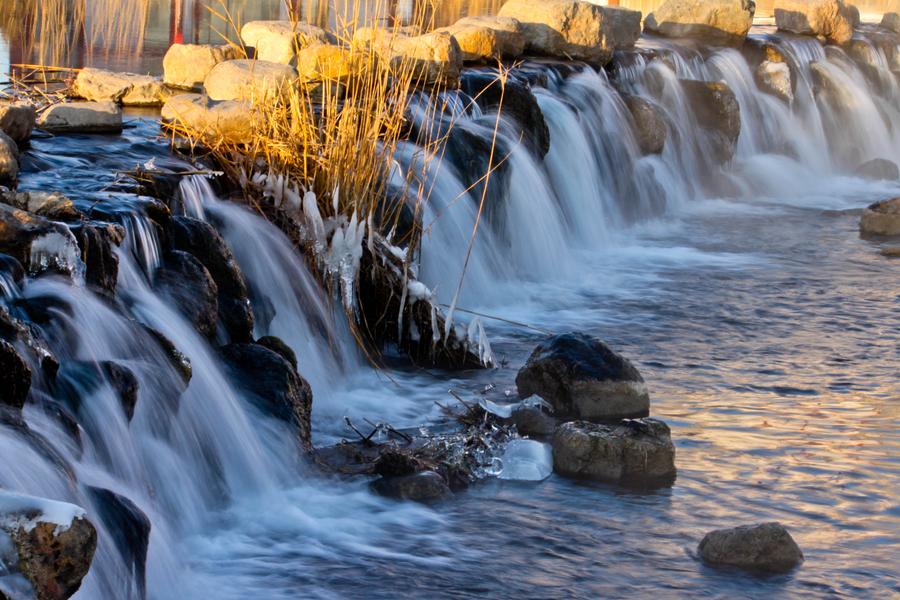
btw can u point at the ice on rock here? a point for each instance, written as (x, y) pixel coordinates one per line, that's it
(25, 512)
(58, 251)
(526, 460)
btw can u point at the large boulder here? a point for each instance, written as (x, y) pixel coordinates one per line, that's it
(649, 125)
(15, 376)
(256, 81)
(37, 243)
(881, 218)
(206, 245)
(272, 384)
(828, 19)
(9, 160)
(187, 65)
(231, 120)
(879, 169)
(324, 62)
(504, 40)
(52, 543)
(191, 290)
(717, 111)
(775, 78)
(582, 377)
(129, 89)
(574, 29)
(891, 22)
(765, 547)
(433, 58)
(17, 119)
(279, 41)
(82, 117)
(712, 21)
(634, 450)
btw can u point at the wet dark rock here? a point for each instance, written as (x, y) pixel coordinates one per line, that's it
(629, 451)
(17, 119)
(98, 253)
(532, 421)
(879, 168)
(582, 377)
(397, 214)
(179, 361)
(191, 289)
(78, 378)
(30, 338)
(717, 111)
(272, 384)
(53, 557)
(473, 153)
(64, 418)
(37, 243)
(51, 205)
(130, 529)
(774, 78)
(15, 376)
(649, 125)
(426, 486)
(9, 160)
(202, 241)
(881, 219)
(276, 344)
(11, 269)
(767, 547)
(519, 104)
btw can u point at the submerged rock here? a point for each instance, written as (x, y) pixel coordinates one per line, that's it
(828, 19)
(53, 542)
(279, 41)
(15, 376)
(82, 117)
(765, 547)
(632, 450)
(256, 81)
(582, 377)
(17, 119)
(98, 253)
(273, 385)
(191, 290)
(100, 85)
(177, 358)
(649, 125)
(573, 29)
(717, 111)
(9, 160)
(713, 21)
(879, 168)
(187, 65)
(426, 486)
(775, 78)
(130, 529)
(77, 378)
(881, 218)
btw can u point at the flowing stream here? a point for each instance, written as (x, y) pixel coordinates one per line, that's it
(767, 331)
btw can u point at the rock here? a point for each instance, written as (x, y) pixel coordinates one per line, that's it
(278, 346)
(9, 160)
(129, 89)
(532, 420)
(881, 219)
(649, 125)
(11, 270)
(853, 16)
(723, 22)
(324, 62)
(191, 289)
(433, 58)
(232, 121)
(98, 253)
(37, 243)
(82, 117)
(764, 547)
(178, 359)
(879, 169)
(206, 245)
(130, 530)
(775, 78)
(582, 377)
(17, 119)
(279, 41)
(255, 81)
(273, 385)
(891, 22)
(51, 205)
(54, 543)
(891, 251)
(76, 378)
(718, 112)
(15, 377)
(519, 104)
(187, 65)
(487, 38)
(426, 486)
(828, 19)
(634, 449)
(574, 29)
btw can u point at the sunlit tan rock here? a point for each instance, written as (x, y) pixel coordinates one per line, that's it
(828, 19)
(125, 88)
(279, 41)
(230, 120)
(713, 21)
(881, 218)
(187, 65)
(253, 80)
(17, 119)
(82, 117)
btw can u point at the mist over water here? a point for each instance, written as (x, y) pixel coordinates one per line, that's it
(766, 329)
